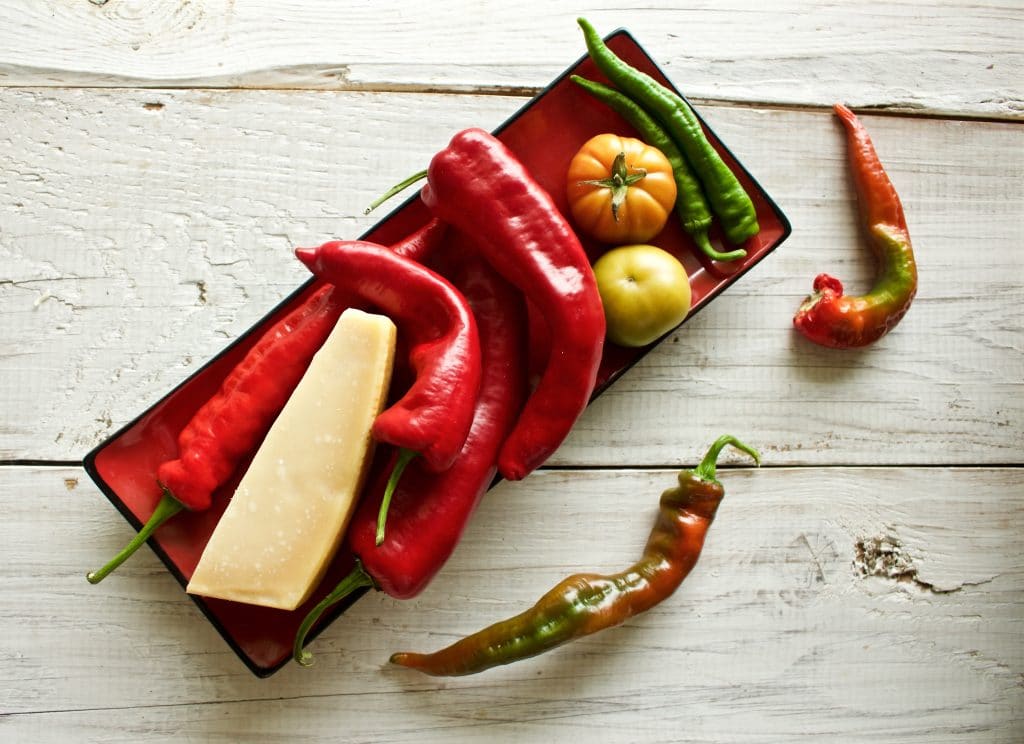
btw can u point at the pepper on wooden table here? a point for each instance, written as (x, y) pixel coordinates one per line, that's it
(586, 603)
(830, 318)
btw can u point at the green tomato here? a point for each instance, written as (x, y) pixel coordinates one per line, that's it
(645, 292)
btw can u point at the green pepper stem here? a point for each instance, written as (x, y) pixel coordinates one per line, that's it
(396, 189)
(167, 508)
(356, 579)
(708, 250)
(404, 457)
(706, 469)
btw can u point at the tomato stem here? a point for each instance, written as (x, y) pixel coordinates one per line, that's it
(619, 182)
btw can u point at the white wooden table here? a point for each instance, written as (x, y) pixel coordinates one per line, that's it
(158, 162)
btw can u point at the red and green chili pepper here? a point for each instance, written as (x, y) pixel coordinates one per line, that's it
(429, 511)
(691, 206)
(726, 194)
(830, 318)
(586, 603)
(477, 185)
(230, 425)
(435, 322)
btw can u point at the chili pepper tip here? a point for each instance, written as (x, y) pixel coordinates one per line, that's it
(307, 256)
(842, 111)
(408, 660)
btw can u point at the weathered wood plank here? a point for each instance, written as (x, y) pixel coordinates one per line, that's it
(959, 57)
(842, 603)
(140, 231)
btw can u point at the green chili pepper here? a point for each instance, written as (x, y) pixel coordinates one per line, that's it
(586, 603)
(691, 204)
(725, 193)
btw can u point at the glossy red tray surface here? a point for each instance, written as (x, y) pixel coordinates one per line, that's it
(544, 134)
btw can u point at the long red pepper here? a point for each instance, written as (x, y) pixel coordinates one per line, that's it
(586, 603)
(434, 320)
(478, 185)
(430, 510)
(230, 425)
(830, 318)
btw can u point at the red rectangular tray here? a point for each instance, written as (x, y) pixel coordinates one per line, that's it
(544, 134)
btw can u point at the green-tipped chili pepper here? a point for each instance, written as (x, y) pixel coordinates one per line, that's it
(691, 204)
(729, 201)
(586, 603)
(831, 318)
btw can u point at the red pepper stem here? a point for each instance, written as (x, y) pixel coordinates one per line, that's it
(404, 458)
(706, 469)
(356, 579)
(396, 189)
(167, 508)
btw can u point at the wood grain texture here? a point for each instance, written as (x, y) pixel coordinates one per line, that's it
(160, 160)
(141, 231)
(950, 57)
(851, 604)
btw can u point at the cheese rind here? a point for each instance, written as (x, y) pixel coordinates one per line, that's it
(287, 517)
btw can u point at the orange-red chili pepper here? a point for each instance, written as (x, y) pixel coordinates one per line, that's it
(230, 425)
(830, 318)
(586, 603)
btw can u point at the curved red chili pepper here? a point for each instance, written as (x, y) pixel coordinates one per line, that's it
(830, 318)
(479, 186)
(435, 321)
(211, 444)
(231, 424)
(430, 510)
(586, 603)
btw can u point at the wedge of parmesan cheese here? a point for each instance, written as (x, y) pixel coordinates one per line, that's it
(286, 519)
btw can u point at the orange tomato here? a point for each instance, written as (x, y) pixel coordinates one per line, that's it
(620, 190)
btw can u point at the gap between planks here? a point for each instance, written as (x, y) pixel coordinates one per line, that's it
(527, 92)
